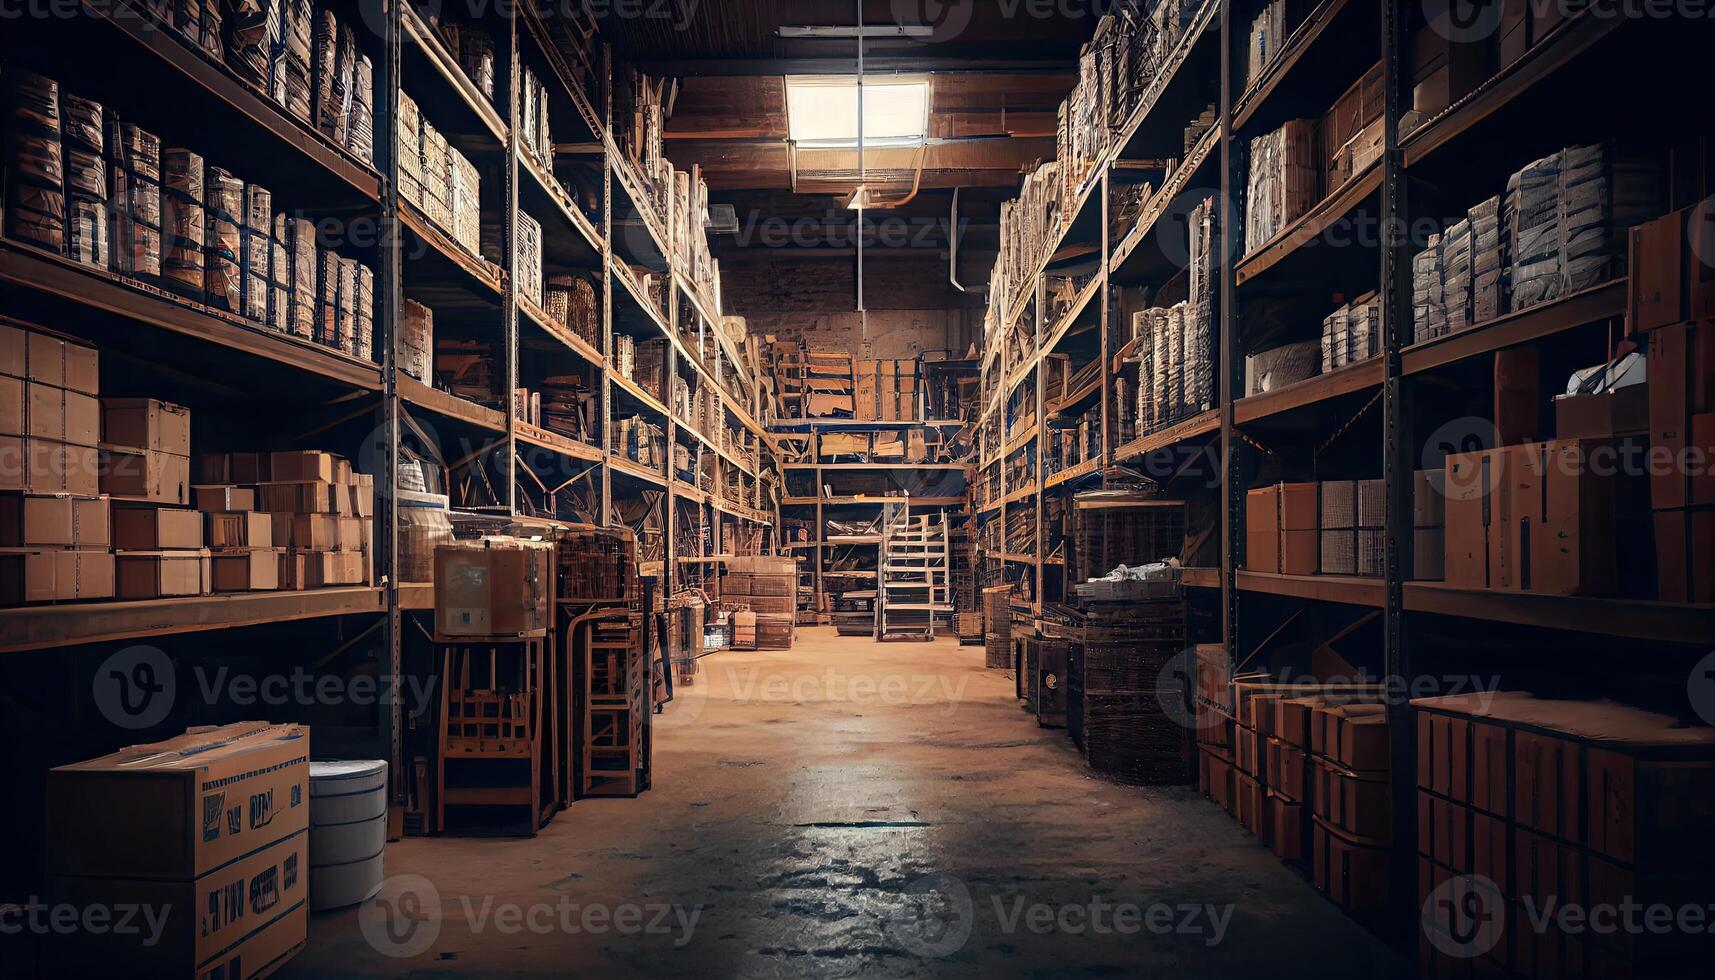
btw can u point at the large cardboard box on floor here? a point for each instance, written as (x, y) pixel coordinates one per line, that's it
(496, 586)
(178, 809)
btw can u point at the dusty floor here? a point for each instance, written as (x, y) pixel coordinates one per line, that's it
(853, 809)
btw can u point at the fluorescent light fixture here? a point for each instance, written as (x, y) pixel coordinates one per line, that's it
(821, 110)
(818, 32)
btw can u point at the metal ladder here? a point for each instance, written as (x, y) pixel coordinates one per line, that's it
(914, 573)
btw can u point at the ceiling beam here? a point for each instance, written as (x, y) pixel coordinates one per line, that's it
(872, 64)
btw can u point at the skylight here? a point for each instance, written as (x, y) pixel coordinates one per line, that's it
(821, 111)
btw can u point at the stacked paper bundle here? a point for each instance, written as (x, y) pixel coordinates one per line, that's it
(83, 141)
(182, 221)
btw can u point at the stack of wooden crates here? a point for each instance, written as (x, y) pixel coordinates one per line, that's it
(767, 587)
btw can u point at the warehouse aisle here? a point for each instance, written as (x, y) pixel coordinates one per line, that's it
(853, 809)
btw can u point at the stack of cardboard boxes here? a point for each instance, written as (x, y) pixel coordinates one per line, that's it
(54, 541)
(1527, 804)
(209, 829)
(286, 520)
(146, 467)
(1673, 299)
(1333, 528)
(767, 587)
(886, 390)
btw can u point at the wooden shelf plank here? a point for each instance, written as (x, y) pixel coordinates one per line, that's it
(450, 405)
(1309, 226)
(1603, 302)
(1349, 589)
(1640, 619)
(1342, 381)
(1196, 425)
(42, 627)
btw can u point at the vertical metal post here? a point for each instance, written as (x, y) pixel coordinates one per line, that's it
(1226, 319)
(391, 720)
(509, 309)
(605, 518)
(1396, 448)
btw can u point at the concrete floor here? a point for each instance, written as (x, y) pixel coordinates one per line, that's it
(850, 808)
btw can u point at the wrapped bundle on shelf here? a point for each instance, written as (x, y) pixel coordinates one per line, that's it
(475, 49)
(1176, 360)
(1199, 357)
(35, 174)
(257, 250)
(279, 278)
(1161, 358)
(437, 177)
(223, 244)
(416, 340)
(1586, 233)
(1429, 317)
(572, 303)
(1352, 333)
(1284, 181)
(1456, 275)
(528, 274)
(136, 231)
(182, 221)
(291, 67)
(1273, 369)
(83, 142)
(1488, 299)
(534, 133)
(568, 406)
(300, 242)
(253, 32)
(1531, 219)
(334, 53)
(409, 152)
(365, 300)
(327, 299)
(1263, 43)
(466, 202)
(347, 332)
(360, 123)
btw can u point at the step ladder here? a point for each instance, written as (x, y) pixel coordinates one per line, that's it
(915, 568)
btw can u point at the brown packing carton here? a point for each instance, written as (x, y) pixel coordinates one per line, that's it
(245, 920)
(146, 475)
(145, 423)
(1685, 554)
(240, 529)
(60, 415)
(1603, 415)
(493, 587)
(12, 402)
(1469, 477)
(1656, 286)
(55, 576)
(156, 529)
(161, 574)
(301, 498)
(224, 498)
(305, 466)
(1669, 371)
(1573, 552)
(248, 468)
(251, 570)
(310, 532)
(350, 534)
(54, 520)
(191, 804)
(294, 569)
(34, 354)
(47, 466)
(326, 569)
(1262, 529)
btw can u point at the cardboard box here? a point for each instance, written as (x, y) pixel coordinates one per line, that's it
(33, 354)
(156, 529)
(493, 587)
(1428, 554)
(56, 414)
(146, 423)
(1351, 872)
(302, 498)
(146, 475)
(1685, 554)
(190, 804)
(1669, 370)
(251, 570)
(1300, 551)
(1518, 395)
(161, 574)
(244, 919)
(55, 521)
(326, 569)
(310, 532)
(55, 576)
(294, 569)
(1262, 529)
(1515, 494)
(224, 498)
(1602, 415)
(240, 529)
(305, 467)
(1573, 553)
(1656, 265)
(1469, 477)
(46, 466)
